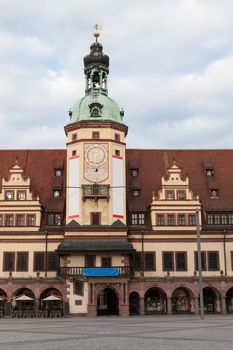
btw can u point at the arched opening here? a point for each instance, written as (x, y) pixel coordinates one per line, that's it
(3, 299)
(107, 302)
(210, 300)
(181, 301)
(155, 301)
(134, 306)
(23, 303)
(51, 303)
(229, 301)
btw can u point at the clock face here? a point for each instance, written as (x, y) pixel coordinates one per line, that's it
(95, 162)
(96, 155)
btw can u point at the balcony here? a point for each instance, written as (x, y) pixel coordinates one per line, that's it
(115, 271)
(95, 191)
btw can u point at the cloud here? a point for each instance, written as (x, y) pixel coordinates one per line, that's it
(170, 68)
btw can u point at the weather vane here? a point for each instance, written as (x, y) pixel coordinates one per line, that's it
(98, 28)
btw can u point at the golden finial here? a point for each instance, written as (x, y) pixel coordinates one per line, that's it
(98, 28)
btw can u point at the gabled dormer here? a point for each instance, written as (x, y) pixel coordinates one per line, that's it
(175, 205)
(19, 206)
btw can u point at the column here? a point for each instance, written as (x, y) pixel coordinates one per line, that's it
(223, 305)
(169, 305)
(142, 306)
(196, 310)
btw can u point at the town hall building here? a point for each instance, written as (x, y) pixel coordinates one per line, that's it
(99, 229)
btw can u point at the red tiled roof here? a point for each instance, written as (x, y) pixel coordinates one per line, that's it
(39, 166)
(152, 165)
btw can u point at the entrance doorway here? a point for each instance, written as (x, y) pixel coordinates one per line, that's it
(134, 303)
(107, 302)
(209, 299)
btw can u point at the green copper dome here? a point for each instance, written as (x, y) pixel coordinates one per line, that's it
(96, 107)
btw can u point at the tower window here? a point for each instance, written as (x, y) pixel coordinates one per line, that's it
(95, 135)
(181, 219)
(74, 153)
(95, 218)
(21, 195)
(74, 137)
(170, 195)
(117, 137)
(160, 220)
(117, 152)
(180, 195)
(9, 220)
(9, 195)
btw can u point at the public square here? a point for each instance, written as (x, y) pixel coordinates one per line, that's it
(149, 332)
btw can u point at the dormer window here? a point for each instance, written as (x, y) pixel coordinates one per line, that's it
(169, 195)
(209, 172)
(136, 193)
(214, 193)
(56, 194)
(21, 195)
(180, 195)
(134, 172)
(9, 195)
(58, 172)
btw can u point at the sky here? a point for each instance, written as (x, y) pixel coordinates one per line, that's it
(171, 69)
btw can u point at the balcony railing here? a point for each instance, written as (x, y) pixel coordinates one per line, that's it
(95, 191)
(115, 271)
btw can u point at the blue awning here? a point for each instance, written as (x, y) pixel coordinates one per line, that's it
(100, 271)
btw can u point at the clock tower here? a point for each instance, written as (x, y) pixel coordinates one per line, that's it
(96, 193)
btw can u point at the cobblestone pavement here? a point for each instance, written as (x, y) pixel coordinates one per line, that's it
(136, 333)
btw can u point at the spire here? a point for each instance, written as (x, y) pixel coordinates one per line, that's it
(96, 67)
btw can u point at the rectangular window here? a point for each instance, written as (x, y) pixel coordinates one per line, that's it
(89, 261)
(137, 218)
(9, 220)
(224, 219)
(181, 261)
(168, 261)
(117, 152)
(19, 220)
(141, 218)
(138, 261)
(181, 195)
(171, 219)
(79, 288)
(1, 220)
(39, 261)
(203, 261)
(106, 262)
(192, 220)
(95, 135)
(213, 261)
(181, 219)
(210, 219)
(169, 195)
(21, 195)
(149, 261)
(9, 195)
(232, 260)
(117, 137)
(22, 261)
(217, 219)
(95, 219)
(160, 220)
(54, 219)
(8, 261)
(134, 172)
(134, 219)
(31, 220)
(74, 137)
(230, 219)
(52, 261)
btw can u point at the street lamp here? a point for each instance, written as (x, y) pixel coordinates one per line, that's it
(199, 264)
